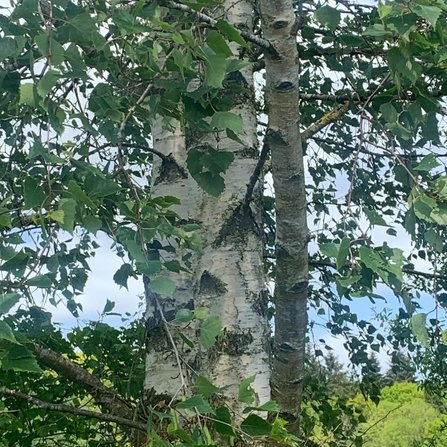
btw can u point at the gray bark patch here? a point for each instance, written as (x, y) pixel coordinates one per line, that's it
(237, 343)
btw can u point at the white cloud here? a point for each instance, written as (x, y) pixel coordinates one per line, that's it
(100, 288)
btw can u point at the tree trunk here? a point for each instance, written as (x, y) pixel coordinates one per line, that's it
(283, 136)
(228, 275)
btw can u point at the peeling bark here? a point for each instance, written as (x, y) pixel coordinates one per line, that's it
(283, 137)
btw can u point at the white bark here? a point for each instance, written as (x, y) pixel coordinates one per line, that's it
(228, 276)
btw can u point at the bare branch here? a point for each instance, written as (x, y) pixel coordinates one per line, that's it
(73, 410)
(165, 158)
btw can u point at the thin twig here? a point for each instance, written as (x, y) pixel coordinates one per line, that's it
(73, 410)
(165, 158)
(377, 422)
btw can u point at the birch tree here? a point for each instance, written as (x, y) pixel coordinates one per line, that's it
(141, 121)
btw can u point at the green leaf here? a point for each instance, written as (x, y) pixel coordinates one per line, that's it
(7, 48)
(27, 94)
(232, 34)
(409, 306)
(204, 387)
(343, 252)
(389, 112)
(92, 224)
(178, 57)
(6, 332)
(227, 120)
(121, 276)
(185, 316)
(418, 324)
(48, 81)
(403, 66)
(329, 249)
(57, 216)
(149, 268)
(212, 184)
(428, 163)
(5, 218)
(82, 26)
(33, 193)
(68, 206)
(209, 330)
(175, 266)
(8, 301)
(246, 392)
(77, 192)
(20, 358)
(189, 342)
(328, 16)
(162, 286)
(429, 13)
(97, 187)
(378, 30)
(222, 422)
(42, 281)
(109, 306)
(16, 264)
(201, 312)
(375, 218)
(215, 70)
(196, 402)
(423, 207)
(134, 250)
(28, 364)
(218, 44)
(236, 65)
(254, 425)
(183, 435)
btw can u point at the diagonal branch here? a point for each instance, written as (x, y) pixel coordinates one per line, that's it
(73, 410)
(253, 38)
(103, 396)
(256, 173)
(329, 118)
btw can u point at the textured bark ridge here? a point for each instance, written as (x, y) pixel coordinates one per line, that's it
(283, 136)
(228, 276)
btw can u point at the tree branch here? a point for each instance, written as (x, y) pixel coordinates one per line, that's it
(73, 410)
(103, 396)
(321, 97)
(165, 158)
(327, 119)
(253, 38)
(406, 270)
(256, 173)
